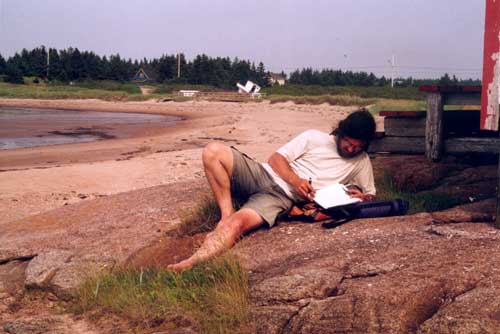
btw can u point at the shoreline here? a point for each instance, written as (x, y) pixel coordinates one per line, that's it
(40, 127)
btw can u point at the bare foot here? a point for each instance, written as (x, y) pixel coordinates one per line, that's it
(181, 266)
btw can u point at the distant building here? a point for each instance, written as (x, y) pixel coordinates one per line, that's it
(276, 78)
(141, 76)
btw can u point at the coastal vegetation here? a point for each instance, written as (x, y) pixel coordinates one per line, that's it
(73, 65)
(424, 201)
(211, 297)
(43, 73)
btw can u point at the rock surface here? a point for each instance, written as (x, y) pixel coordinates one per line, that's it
(424, 273)
(57, 250)
(386, 275)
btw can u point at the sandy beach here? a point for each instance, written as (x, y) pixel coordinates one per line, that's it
(38, 179)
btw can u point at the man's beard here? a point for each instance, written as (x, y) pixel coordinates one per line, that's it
(343, 153)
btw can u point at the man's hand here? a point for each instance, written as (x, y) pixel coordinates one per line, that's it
(304, 189)
(282, 167)
(355, 193)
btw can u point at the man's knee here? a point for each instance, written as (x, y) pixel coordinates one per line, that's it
(214, 150)
(243, 221)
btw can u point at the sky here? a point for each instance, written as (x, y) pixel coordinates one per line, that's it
(426, 37)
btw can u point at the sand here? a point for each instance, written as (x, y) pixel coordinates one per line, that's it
(35, 180)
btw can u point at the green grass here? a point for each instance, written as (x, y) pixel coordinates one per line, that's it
(341, 100)
(406, 93)
(64, 92)
(397, 105)
(427, 201)
(109, 85)
(172, 88)
(202, 217)
(214, 294)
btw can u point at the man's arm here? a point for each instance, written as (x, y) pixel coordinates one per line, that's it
(280, 166)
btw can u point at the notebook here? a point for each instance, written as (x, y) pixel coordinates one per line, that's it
(334, 195)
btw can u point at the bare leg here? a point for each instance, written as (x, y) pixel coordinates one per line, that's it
(225, 235)
(218, 162)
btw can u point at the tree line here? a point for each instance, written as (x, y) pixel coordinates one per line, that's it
(74, 65)
(330, 77)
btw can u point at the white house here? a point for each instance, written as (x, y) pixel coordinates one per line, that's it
(277, 78)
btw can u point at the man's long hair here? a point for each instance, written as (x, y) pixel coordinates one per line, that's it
(358, 125)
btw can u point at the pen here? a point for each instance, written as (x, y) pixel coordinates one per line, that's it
(308, 191)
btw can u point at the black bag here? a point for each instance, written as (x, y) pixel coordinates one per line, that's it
(372, 209)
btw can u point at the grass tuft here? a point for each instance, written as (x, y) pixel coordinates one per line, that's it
(428, 201)
(202, 217)
(212, 297)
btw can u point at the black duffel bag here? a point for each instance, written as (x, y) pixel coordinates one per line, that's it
(384, 208)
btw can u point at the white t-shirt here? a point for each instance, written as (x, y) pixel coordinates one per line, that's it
(313, 154)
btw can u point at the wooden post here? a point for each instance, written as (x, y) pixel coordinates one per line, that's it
(434, 126)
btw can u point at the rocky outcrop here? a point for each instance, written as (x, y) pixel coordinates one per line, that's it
(55, 251)
(386, 275)
(424, 273)
(92, 235)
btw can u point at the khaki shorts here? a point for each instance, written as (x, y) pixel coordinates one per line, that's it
(252, 185)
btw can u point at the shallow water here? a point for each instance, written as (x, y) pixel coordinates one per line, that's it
(20, 127)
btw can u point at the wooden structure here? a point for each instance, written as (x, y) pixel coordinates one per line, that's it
(141, 76)
(220, 96)
(491, 67)
(414, 132)
(404, 131)
(490, 106)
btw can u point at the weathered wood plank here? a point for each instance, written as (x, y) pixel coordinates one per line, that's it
(449, 89)
(395, 113)
(464, 123)
(410, 145)
(404, 127)
(467, 144)
(434, 127)
(416, 145)
(462, 99)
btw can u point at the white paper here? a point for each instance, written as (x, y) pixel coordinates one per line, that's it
(334, 195)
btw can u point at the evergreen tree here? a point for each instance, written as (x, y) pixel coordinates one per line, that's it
(13, 74)
(37, 62)
(3, 65)
(445, 80)
(55, 65)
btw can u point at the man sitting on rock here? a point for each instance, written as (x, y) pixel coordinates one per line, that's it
(310, 161)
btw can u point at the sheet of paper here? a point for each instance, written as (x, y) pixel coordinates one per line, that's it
(334, 195)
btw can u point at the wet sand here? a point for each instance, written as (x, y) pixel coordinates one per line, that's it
(28, 127)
